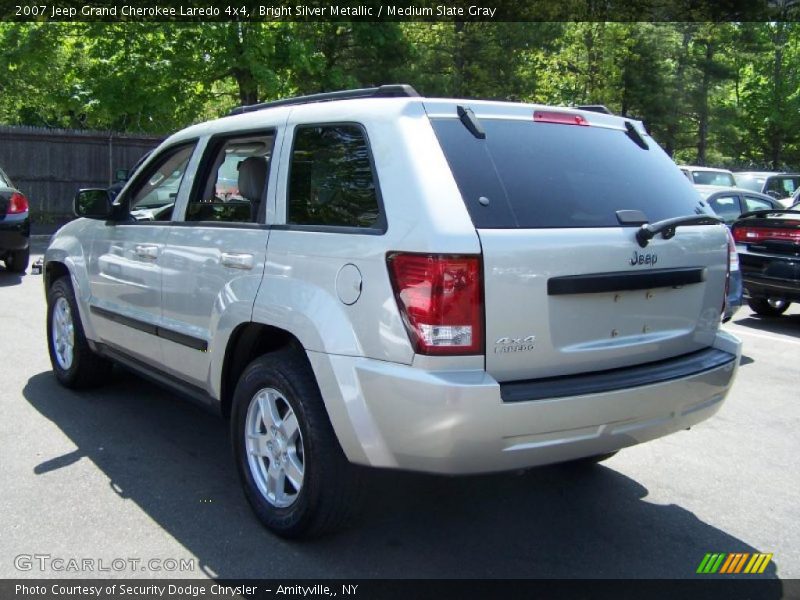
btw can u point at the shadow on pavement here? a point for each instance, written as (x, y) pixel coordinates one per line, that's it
(173, 460)
(7, 278)
(785, 324)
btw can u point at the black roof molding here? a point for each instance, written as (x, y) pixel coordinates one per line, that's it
(598, 108)
(384, 91)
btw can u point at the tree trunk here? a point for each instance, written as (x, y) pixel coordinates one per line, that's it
(702, 112)
(775, 126)
(671, 137)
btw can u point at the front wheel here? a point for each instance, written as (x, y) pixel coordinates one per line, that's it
(768, 307)
(74, 363)
(293, 470)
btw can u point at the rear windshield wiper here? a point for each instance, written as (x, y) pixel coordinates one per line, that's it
(470, 121)
(667, 227)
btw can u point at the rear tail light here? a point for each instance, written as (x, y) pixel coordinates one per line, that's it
(561, 117)
(440, 300)
(733, 257)
(754, 235)
(17, 204)
(733, 265)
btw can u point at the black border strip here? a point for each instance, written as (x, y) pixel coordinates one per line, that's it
(624, 281)
(616, 379)
(162, 332)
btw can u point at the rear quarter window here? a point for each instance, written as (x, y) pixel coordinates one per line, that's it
(331, 179)
(544, 175)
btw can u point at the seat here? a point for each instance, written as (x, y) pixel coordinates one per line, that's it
(252, 181)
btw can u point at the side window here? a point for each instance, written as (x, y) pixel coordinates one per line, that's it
(753, 203)
(331, 179)
(233, 180)
(726, 207)
(153, 196)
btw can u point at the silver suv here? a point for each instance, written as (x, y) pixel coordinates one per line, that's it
(375, 278)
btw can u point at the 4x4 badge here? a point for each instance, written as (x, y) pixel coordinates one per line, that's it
(650, 258)
(505, 344)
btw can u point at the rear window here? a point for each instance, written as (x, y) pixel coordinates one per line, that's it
(754, 184)
(531, 175)
(5, 181)
(713, 178)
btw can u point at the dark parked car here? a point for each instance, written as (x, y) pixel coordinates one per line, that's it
(15, 226)
(780, 186)
(729, 203)
(768, 243)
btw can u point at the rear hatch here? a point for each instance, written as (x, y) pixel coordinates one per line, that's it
(567, 288)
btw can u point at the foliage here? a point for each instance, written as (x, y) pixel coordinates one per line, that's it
(724, 93)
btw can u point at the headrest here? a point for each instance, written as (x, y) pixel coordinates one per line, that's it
(252, 178)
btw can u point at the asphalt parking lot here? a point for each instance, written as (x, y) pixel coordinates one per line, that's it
(129, 471)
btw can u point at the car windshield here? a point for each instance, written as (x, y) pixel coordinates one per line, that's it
(782, 186)
(713, 178)
(750, 182)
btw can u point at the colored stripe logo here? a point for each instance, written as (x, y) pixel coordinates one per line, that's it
(734, 562)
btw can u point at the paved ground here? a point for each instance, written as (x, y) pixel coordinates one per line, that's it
(128, 471)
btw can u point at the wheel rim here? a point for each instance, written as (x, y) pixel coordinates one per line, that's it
(63, 330)
(775, 303)
(274, 446)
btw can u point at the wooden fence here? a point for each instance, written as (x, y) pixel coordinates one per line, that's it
(50, 165)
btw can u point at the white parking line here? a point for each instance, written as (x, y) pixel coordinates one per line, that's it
(783, 340)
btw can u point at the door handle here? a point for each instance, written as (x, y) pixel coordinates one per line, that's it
(149, 251)
(237, 260)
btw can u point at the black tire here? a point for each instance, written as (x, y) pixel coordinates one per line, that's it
(18, 260)
(87, 368)
(589, 461)
(763, 307)
(332, 488)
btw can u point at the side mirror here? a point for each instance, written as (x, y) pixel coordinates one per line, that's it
(121, 175)
(92, 204)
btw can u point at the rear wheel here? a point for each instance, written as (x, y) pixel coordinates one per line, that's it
(768, 307)
(74, 363)
(294, 473)
(17, 261)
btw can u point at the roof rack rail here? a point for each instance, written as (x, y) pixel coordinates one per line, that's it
(598, 108)
(384, 91)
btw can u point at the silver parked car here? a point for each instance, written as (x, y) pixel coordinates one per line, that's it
(449, 286)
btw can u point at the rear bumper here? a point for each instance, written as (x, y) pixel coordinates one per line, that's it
(766, 287)
(771, 276)
(389, 415)
(14, 233)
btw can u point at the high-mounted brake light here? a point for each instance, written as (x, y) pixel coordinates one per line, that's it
(561, 117)
(17, 204)
(439, 297)
(754, 235)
